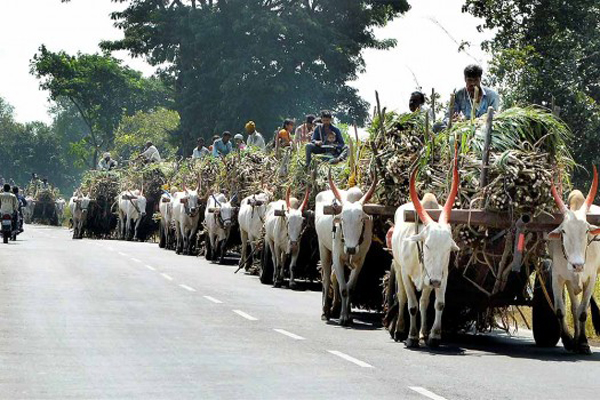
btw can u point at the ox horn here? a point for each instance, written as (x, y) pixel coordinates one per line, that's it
(414, 197)
(589, 200)
(185, 189)
(559, 201)
(447, 210)
(142, 191)
(199, 184)
(334, 188)
(287, 197)
(306, 198)
(371, 191)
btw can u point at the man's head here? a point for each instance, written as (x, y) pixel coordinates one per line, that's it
(226, 136)
(417, 99)
(6, 187)
(288, 124)
(106, 156)
(148, 144)
(250, 127)
(326, 117)
(200, 143)
(310, 121)
(15, 189)
(473, 75)
(45, 180)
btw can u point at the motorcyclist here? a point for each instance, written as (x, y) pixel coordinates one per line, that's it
(22, 204)
(8, 202)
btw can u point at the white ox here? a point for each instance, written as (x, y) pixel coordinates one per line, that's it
(28, 209)
(251, 219)
(283, 235)
(165, 208)
(132, 209)
(218, 219)
(344, 240)
(575, 264)
(421, 257)
(186, 214)
(79, 204)
(60, 208)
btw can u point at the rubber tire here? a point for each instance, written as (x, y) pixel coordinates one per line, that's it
(162, 242)
(208, 255)
(546, 328)
(265, 274)
(5, 237)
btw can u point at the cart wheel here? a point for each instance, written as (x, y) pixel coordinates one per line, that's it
(546, 328)
(265, 273)
(5, 236)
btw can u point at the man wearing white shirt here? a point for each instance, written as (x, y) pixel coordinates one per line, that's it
(254, 138)
(200, 151)
(150, 154)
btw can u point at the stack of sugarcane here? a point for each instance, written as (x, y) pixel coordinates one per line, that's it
(528, 148)
(103, 187)
(44, 211)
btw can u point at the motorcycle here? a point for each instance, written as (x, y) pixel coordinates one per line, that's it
(7, 228)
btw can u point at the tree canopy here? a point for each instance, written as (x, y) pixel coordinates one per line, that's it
(547, 50)
(101, 89)
(236, 60)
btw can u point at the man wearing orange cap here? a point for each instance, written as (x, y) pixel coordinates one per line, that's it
(254, 138)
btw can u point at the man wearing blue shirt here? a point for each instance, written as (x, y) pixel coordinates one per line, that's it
(464, 98)
(222, 147)
(326, 138)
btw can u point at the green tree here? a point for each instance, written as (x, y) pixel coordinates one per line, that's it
(101, 89)
(547, 50)
(235, 60)
(33, 148)
(157, 126)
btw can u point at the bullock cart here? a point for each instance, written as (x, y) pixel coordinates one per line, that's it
(44, 209)
(502, 211)
(515, 270)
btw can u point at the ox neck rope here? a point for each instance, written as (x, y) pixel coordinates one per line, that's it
(564, 251)
(134, 204)
(420, 249)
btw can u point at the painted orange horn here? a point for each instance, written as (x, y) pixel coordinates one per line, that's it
(414, 197)
(287, 197)
(559, 202)
(447, 210)
(589, 200)
(334, 188)
(365, 199)
(306, 198)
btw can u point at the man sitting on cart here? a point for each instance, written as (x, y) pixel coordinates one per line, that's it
(327, 139)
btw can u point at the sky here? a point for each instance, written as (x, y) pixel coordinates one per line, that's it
(426, 56)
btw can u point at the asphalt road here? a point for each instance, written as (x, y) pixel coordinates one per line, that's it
(120, 320)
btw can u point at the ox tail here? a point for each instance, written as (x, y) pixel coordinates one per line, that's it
(595, 315)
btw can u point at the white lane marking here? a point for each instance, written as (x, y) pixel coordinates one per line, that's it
(351, 359)
(216, 301)
(189, 289)
(136, 260)
(167, 277)
(150, 267)
(244, 315)
(426, 393)
(122, 254)
(289, 334)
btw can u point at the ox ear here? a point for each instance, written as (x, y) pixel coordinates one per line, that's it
(183, 200)
(419, 237)
(555, 234)
(454, 246)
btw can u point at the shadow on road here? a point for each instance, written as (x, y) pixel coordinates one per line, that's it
(509, 346)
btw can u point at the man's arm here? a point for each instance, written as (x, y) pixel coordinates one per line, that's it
(316, 136)
(215, 152)
(338, 137)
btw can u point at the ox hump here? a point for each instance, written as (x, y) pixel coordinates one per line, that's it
(576, 200)
(430, 202)
(353, 194)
